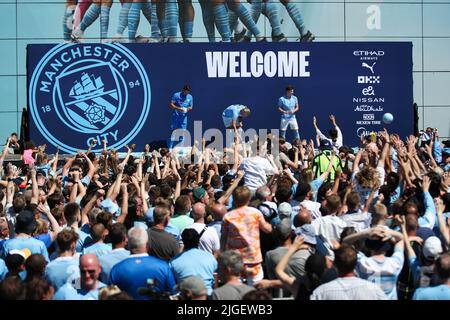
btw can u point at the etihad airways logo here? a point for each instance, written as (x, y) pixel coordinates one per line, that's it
(238, 64)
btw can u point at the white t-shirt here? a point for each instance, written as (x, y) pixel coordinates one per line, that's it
(256, 170)
(209, 240)
(329, 228)
(360, 220)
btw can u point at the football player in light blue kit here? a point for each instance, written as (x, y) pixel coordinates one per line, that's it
(181, 103)
(288, 106)
(232, 119)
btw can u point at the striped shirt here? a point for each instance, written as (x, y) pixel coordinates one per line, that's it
(351, 288)
(383, 272)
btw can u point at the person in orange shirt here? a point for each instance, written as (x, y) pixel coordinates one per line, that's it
(241, 231)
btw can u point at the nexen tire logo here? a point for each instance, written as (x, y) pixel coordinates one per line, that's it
(82, 92)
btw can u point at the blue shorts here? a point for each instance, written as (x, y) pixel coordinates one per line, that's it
(179, 122)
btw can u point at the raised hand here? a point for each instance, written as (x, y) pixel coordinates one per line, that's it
(299, 240)
(426, 181)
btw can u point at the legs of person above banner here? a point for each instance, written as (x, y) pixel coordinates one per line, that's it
(156, 32)
(171, 17)
(294, 13)
(221, 16)
(147, 10)
(134, 16)
(255, 11)
(245, 17)
(123, 19)
(186, 19)
(161, 14)
(67, 19)
(91, 15)
(104, 19)
(233, 22)
(80, 11)
(239, 30)
(208, 19)
(270, 10)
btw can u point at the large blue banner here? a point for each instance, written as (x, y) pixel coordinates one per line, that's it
(121, 92)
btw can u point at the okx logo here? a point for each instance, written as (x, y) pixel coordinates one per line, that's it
(79, 93)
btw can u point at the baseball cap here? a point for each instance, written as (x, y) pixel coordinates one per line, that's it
(432, 248)
(109, 206)
(284, 209)
(325, 145)
(284, 228)
(308, 232)
(199, 193)
(26, 222)
(24, 253)
(193, 284)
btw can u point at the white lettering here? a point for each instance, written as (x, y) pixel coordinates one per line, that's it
(303, 63)
(244, 72)
(288, 66)
(270, 64)
(216, 64)
(257, 64)
(235, 64)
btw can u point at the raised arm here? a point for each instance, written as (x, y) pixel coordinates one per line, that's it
(88, 206)
(34, 187)
(91, 145)
(440, 207)
(124, 206)
(288, 173)
(5, 150)
(318, 132)
(324, 175)
(429, 218)
(92, 168)
(67, 165)
(233, 186)
(157, 168)
(143, 196)
(384, 152)
(369, 200)
(114, 190)
(54, 224)
(357, 160)
(287, 280)
(127, 157)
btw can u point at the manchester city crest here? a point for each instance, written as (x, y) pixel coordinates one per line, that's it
(79, 93)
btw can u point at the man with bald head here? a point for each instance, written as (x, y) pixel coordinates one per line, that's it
(209, 240)
(218, 210)
(303, 217)
(89, 284)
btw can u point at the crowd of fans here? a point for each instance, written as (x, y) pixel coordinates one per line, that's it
(315, 221)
